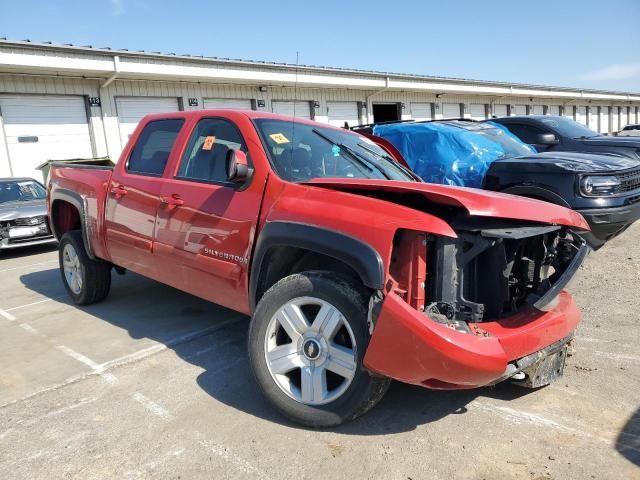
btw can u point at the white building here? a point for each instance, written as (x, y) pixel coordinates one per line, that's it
(65, 101)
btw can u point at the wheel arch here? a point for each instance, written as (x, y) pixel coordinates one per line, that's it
(284, 248)
(537, 192)
(68, 212)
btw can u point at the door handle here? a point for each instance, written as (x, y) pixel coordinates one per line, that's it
(172, 202)
(118, 191)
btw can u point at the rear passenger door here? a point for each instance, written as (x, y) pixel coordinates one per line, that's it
(205, 224)
(133, 196)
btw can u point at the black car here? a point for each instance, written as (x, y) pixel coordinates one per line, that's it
(562, 134)
(614, 202)
(603, 187)
(23, 213)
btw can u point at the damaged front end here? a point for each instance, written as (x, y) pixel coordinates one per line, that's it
(492, 271)
(479, 308)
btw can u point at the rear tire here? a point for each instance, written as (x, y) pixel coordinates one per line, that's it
(310, 368)
(87, 281)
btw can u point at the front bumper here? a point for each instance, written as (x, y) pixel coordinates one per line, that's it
(606, 223)
(408, 346)
(7, 244)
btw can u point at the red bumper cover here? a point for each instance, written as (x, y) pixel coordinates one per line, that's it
(410, 347)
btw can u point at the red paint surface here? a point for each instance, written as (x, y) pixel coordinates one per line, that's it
(408, 346)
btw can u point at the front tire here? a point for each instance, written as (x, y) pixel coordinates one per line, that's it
(307, 341)
(86, 281)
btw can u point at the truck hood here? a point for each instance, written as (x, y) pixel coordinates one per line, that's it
(566, 162)
(476, 202)
(13, 210)
(604, 141)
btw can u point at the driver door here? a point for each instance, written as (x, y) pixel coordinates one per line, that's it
(206, 224)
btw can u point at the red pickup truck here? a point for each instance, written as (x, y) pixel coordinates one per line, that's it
(353, 271)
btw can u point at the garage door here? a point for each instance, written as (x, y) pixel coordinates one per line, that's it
(537, 110)
(477, 111)
(554, 110)
(291, 109)
(519, 110)
(340, 112)
(451, 110)
(226, 104)
(44, 127)
(499, 110)
(581, 115)
(421, 111)
(604, 120)
(132, 109)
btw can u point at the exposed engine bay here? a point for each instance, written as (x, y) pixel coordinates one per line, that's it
(496, 270)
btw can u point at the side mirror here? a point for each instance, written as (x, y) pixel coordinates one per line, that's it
(546, 139)
(237, 166)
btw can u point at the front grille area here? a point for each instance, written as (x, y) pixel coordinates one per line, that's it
(629, 181)
(488, 273)
(30, 221)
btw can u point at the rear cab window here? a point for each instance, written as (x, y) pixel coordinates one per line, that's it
(153, 147)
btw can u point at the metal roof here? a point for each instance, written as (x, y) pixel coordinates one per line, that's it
(200, 58)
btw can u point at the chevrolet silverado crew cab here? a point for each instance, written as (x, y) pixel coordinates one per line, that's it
(353, 271)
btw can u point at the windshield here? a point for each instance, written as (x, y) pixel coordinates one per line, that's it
(567, 127)
(21, 191)
(511, 145)
(300, 152)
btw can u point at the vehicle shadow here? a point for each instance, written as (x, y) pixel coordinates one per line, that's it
(27, 251)
(628, 441)
(147, 309)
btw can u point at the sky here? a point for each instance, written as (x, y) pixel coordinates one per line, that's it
(585, 44)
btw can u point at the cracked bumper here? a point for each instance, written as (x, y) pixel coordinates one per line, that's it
(408, 346)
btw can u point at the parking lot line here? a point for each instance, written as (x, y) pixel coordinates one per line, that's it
(21, 267)
(617, 356)
(7, 315)
(152, 406)
(518, 417)
(102, 369)
(79, 357)
(230, 457)
(34, 303)
(153, 349)
(28, 328)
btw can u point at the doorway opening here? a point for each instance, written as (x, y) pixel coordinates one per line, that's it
(386, 112)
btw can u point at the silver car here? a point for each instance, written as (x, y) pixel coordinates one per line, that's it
(23, 213)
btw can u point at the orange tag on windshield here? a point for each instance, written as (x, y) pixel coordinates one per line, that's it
(208, 143)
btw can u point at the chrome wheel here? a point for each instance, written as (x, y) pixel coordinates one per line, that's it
(310, 351)
(72, 268)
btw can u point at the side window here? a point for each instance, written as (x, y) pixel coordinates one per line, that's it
(526, 133)
(206, 155)
(151, 151)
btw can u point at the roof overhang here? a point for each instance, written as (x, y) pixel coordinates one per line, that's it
(62, 60)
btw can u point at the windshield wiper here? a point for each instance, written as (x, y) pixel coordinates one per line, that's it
(386, 158)
(354, 156)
